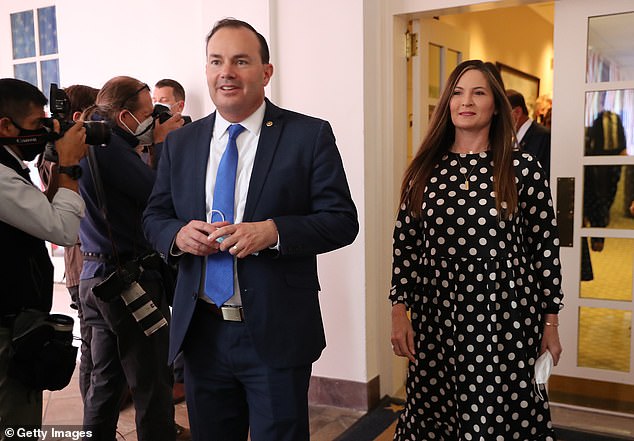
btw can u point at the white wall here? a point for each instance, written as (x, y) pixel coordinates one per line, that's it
(317, 51)
(319, 57)
(145, 39)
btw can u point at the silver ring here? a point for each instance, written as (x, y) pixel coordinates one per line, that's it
(235, 247)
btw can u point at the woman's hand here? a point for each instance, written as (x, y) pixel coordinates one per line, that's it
(550, 339)
(402, 333)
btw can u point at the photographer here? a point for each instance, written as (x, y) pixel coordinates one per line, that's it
(27, 219)
(80, 97)
(116, 184)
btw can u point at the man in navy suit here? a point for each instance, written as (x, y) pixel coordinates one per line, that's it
(248, 359)
(531, 136)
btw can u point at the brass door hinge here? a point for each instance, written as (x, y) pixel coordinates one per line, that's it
(411, 44)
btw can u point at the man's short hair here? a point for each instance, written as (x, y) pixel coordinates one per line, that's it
(235, 23)
(179, 91)
(17, 98)
(517, 100)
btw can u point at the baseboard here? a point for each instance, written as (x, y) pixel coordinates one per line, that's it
(344, 393)
(568, 434)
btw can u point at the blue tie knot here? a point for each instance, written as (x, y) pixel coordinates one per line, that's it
(234, 131)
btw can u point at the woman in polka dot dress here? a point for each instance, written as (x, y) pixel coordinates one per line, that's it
(476, 262)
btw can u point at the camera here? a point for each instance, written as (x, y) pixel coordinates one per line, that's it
(162, 113)
(43, 356)
(123, 283)
(97, 132)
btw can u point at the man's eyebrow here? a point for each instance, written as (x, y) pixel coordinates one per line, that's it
(233, 57)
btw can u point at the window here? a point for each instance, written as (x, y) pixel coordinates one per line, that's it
(34, 43)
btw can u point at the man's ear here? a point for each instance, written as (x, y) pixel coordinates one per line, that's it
(516, 112)
(120, 116)
(76, 116)
(6, 127)
(179, 106)
(268, 73)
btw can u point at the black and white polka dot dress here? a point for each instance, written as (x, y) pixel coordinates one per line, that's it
(477, 288)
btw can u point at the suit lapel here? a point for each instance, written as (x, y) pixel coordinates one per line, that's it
(202, 147)
(267, 145)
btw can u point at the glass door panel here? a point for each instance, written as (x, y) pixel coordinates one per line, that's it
(604, 338)
(608, 198)
(609, 122)
(434, 65)
(607, 274)
(610, 48)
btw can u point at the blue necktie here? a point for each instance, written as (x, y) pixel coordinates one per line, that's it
(219, 278)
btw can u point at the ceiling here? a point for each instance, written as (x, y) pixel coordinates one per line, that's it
(545, 11)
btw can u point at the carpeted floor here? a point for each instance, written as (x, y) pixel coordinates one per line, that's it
(379, 425)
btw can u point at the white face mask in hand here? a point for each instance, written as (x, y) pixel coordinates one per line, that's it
(543, 367)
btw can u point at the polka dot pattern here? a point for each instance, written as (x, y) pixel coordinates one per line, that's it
(477, 288)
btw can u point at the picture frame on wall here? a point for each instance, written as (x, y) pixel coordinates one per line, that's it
(524, 83)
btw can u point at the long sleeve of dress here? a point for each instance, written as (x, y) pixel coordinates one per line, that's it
(406, 257)
(541, 234)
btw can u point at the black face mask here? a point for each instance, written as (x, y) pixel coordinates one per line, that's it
(31, 142)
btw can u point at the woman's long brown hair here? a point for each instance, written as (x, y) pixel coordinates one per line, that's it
(441, 135)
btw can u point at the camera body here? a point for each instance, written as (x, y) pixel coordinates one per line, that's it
(123, 283)
(162, 113)
(97, 132)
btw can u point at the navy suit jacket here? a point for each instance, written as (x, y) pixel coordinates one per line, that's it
(298, 181)
(536, 141)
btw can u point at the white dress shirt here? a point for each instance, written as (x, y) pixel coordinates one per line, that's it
(523, 129)
(25, 207)
(247, 143)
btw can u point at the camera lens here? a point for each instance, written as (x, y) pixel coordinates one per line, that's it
(97, 132)
(143, 309)
(62, 327)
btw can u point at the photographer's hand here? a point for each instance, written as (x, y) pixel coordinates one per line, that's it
(70, 149)
(161, 130)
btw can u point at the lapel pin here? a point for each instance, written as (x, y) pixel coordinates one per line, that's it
(269, 123)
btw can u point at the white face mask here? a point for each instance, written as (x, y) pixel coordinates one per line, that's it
(543, 366)
(144, 130)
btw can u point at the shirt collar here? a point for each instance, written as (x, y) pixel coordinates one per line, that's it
(12, 153)
(522, 131)
(253, 123)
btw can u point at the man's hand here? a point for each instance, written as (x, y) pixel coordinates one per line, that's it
(72, 146)
(70, 149)
(161, 130)
(246, 238)
(195, 238)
